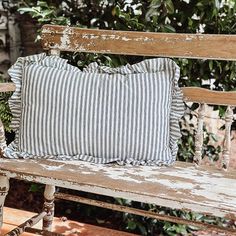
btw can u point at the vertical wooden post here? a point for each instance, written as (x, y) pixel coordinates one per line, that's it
(4, 187)
(48, 207)
(2, 138)
(49, 189)
(199, 134)
(227, 139)
(55, 52)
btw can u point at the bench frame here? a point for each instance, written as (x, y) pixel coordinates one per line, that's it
(60, 38)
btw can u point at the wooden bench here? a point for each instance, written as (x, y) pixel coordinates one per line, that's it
(204, 189)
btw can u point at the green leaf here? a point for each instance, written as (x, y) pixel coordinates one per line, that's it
(25, 10)
(170, 6)
(131, 225)
(42, 4)
(210, 65)
(169, 29)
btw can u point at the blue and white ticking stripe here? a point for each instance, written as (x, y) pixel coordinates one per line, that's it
(128, 114)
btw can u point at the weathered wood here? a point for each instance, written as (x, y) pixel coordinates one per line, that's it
(29, 223)
(14, 217)
(227, 142)
(201, 46)
(55, 52)
(181, 186)
(131, 210)
(3, 143)
(201, 95)
(4, 187)
(48, 207)
(42, 232)
(7, 87)
(191, 94)
(199, 134)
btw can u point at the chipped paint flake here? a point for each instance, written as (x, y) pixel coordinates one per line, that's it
(50, 167)
(65, 39)
(125, 39)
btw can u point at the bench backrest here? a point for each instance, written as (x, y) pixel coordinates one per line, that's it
(198, 46)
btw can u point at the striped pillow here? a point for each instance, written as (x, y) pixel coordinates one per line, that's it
(127, 115)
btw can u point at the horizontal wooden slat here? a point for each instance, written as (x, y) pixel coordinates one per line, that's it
(191, 94)
(167, 186)
(199, 46)
(201, 95)
(7, 87)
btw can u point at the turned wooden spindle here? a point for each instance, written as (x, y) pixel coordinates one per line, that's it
(4, 187)
(199, 134)
(227, 140)
(48, 207)
(2, 138)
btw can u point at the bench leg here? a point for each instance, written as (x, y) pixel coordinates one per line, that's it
(48, 207)
(4, 187)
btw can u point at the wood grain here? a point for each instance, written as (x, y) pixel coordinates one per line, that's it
(167, 186)
(191, 94)
(7, 87)
(14, 217)
(199, 46)
(201, 95)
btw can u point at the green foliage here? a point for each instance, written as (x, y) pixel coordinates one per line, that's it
(45, 13)
(201, 16)
(5, 113)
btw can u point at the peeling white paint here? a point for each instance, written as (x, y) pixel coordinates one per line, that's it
(175, 184)
(216, 208)
(65, 38)
(189, 38)
(90, 36)
(143, 39)
(50, 167)
(125, 39)
(46, 31)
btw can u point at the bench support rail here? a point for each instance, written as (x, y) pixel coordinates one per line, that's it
(140, 212)
(29, 223)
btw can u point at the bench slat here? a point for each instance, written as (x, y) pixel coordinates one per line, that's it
(7, 87)
(181, 186)
(201, 95)
(199, 46)
(191, 94)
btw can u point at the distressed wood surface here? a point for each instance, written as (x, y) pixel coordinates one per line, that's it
(191, 94)
(201, 95)
(227, 142)
(17, 231)
(182, 186)
(200, 46)
(13, 217)
(199, 134)
(7, 87)
(4, 187)
(48, 207)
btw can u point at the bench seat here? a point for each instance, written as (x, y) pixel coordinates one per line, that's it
(181, 186)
